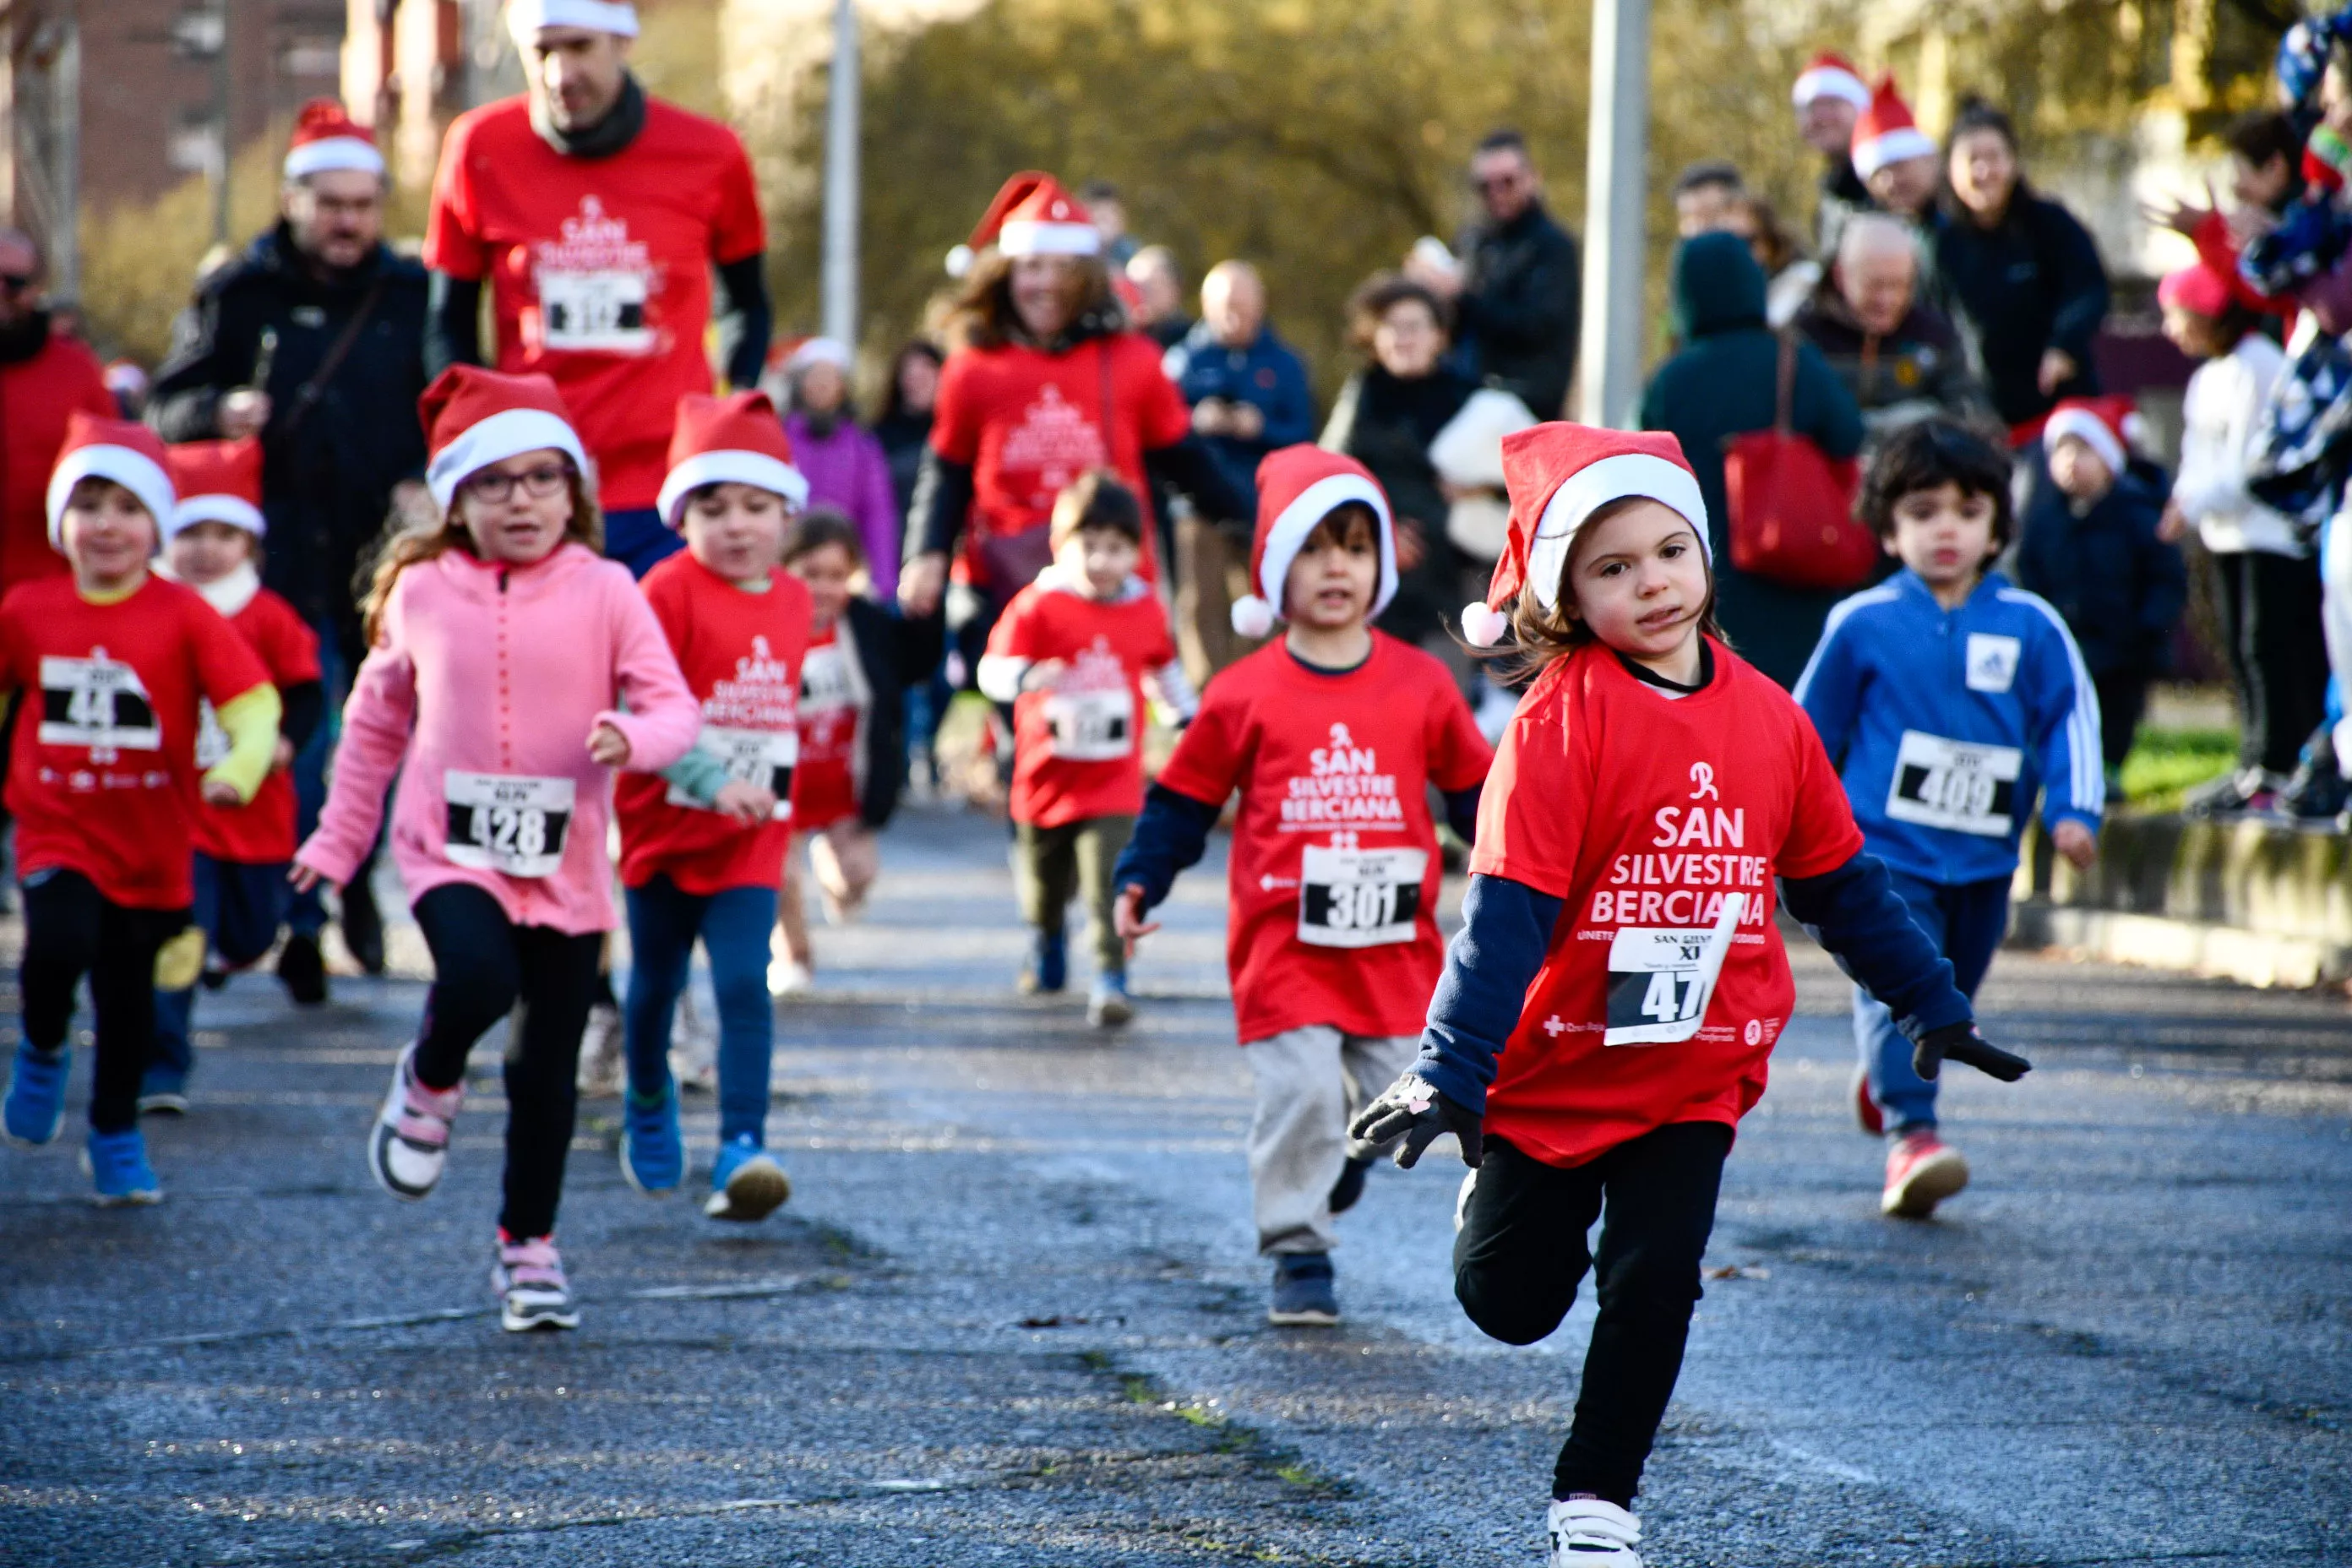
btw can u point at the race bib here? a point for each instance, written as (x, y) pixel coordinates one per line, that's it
(212, 740)
(763, 757)
(1091, 726)
(502, 823)
(1358, 898)
(600, 312)
(1955, 785)
(1660, 982)
(99, 703)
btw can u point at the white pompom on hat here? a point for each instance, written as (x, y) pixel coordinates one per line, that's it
(122, 450)
(1298, 487)
(732, 439)
(1557, 475)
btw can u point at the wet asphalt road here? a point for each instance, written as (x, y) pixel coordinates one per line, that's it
(1011, 1314)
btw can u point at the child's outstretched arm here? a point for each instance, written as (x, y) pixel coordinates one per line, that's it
(1172, 834)
(1854, 911)
(1506, 929)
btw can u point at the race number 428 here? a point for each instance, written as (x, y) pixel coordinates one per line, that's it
(500, 822)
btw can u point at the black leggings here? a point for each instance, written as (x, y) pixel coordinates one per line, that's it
(72, 930)
(483, 965)
(2270, 618)
(1521, 1254)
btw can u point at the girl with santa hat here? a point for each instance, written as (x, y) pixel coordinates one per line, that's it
(503, 647)
(1608, 1009)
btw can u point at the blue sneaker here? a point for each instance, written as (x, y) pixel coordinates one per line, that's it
(746, 1183)
(653, 1151)
(163, 1092)
(36, 1094)
(1109, 1005)
(117, 1163)
(1047, 969)
(1303, 1296)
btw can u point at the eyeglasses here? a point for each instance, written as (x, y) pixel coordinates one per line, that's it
(493, 485)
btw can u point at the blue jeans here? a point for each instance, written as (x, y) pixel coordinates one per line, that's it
(306, 912)
(1966, 920)
(638, 539)
(239, 907)
(733, 925)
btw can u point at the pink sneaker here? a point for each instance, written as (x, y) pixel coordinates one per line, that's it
(1922, 1171)
(532, 1291)
(410, 1141)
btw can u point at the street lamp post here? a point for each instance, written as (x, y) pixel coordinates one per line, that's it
(1615, 203)
(841, 129)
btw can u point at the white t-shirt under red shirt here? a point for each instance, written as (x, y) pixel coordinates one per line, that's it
(599, 269)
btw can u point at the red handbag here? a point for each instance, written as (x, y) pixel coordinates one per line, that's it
(1791, 506)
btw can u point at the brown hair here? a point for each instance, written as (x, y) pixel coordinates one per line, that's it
(820, 526)
(1376, 296)
(402, 548)
(1776, 247)
(1096, 499)
(1539, 637)
(981, 315)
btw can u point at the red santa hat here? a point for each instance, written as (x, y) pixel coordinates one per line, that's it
(1558, 476)
(526, 18)
(122, 450)
(735, 438)
(1298, 487)
(474, 417)
(217, 481)
(2197, 287)
(1033, 214)
(1829, 75)
(2109, 425)
(1885, 133)
(327, 138)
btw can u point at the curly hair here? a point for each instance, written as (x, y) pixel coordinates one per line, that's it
(981, 315)
(1926, 456)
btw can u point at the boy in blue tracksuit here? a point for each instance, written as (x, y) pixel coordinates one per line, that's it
(1949, 698)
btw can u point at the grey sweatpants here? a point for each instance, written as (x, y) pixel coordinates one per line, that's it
(1309, 1081)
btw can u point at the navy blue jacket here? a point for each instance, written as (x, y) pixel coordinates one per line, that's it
(2031, 283)
(1267, 375)
(2120, 588)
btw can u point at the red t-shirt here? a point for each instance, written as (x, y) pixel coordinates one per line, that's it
(740, 654)
(825, 785)
(1645, 815)
(599, 269)
(1077, 747)
(1030, 422)
(262, 833)
(103, 777)
(1334, 870)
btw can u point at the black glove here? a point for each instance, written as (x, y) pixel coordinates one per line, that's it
(1413, 1110)
(1961, 1043)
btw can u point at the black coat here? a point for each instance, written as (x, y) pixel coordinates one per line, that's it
(893, 653)
(1386, 423)
(1516, 315)
(2119, 588)
(2033, 283)
(326, 489)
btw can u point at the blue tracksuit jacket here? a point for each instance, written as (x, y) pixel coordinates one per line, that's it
(1944, 724)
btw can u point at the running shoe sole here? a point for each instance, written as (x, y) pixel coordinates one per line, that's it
(138, 1197)
(1112, 1013)
(385, 1131)
(520, 1312)
(1931, 1180)
(1312, 1318)
(758, 1188)
(164, 1103)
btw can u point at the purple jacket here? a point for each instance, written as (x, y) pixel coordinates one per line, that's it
(847, 469)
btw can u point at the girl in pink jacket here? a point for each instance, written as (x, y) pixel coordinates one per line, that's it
(501, 648)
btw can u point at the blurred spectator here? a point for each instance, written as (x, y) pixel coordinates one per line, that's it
(1723, 383)
(1385, 417)
(1830, 95)
(1789, 275)
(1159, 284)
(2089, 543)
(1107, 208)
(1515, 293)
(1902, 360)
(127, 380)
(45, 376)
(842, 461)
(2265, 160)
(905, 422)
(2269, 595)
(1893, 157)
(1705, 193)
(2021, 275)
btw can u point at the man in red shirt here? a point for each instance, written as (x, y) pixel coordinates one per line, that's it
(44, 377)
(596, 215)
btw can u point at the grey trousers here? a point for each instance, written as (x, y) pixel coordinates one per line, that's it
(1309, 1081)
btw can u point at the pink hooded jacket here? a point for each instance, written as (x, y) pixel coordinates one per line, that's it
(487, 669)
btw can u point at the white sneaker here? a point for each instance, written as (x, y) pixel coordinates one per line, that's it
(532, 1290)
(602, 1068)
(1586, 1532)
(409, 1143)
(1589, 1533)
(787, 978)
(693, 1047)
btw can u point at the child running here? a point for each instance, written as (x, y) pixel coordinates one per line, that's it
(242, 851)
(1608, 1008)
(1333, 736)
(703, 844)
(112, 662)
(501, 647)
(1071, 653)
(1949, 698)
(862, 662)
